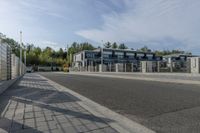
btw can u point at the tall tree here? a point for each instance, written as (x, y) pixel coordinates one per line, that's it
(107, 45)
(145, 49)
(114, 45)
(122, 46)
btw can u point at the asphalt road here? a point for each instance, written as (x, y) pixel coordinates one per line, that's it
(163, 107)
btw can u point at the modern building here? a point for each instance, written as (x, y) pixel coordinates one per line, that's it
(107, 59)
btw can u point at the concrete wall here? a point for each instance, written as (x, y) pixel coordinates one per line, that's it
(15, 66)
(9, 67)
(147, 66)
(3, 62)
(195, 65)
(102, 68)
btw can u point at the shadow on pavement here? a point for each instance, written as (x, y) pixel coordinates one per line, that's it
(9, 126)
(35, 91)
(63, 111)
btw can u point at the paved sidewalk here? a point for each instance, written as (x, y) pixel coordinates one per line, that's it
(33, 105)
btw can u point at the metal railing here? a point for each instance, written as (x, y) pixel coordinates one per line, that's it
(153, 66)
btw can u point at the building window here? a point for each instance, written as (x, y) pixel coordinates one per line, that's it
(120, 56)
(106, 56)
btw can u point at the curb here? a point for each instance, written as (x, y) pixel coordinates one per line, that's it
(141, 78)
(121, 123)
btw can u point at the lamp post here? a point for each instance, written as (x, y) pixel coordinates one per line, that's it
(25, 57)
(20, 54)
(102, 56)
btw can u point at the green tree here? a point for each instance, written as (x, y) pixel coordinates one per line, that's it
(13, 44)
(107, 45)
(122, 46)
(114, 45)
(145, 49)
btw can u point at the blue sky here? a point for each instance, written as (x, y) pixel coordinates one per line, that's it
(158, 24)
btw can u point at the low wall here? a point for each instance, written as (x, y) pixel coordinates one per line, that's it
(6, 84)
(48, 68)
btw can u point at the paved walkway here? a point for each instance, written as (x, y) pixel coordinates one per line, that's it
(34, 105)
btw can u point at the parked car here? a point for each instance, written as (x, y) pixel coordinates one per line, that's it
(29, 69)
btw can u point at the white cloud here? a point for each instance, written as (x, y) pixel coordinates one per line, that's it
(154, 22)
(51, 44)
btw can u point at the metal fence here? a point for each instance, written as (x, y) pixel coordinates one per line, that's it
(143, 66)
(9, 63)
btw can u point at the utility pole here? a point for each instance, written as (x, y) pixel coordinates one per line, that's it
(20, 53)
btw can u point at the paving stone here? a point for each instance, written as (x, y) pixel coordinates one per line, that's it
(70, 130)
(91, 126)
(97, 131)
(29, 115)
(39, 124)
(82, 129)
(43, 128)
(9, 116)
(40, 119)
(52, 125)
(37, 109)
(26, 131)
(76, 121)
(56, 131)
(109, 130)
(39, 114)
(19, 111)
(65, 124)
(85, 121)
(101, 125)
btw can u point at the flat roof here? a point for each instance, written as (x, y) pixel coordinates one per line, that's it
(111, 49)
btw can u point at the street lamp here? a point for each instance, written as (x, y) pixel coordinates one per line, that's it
(25, 57)
(20, 53)
(102, 56)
